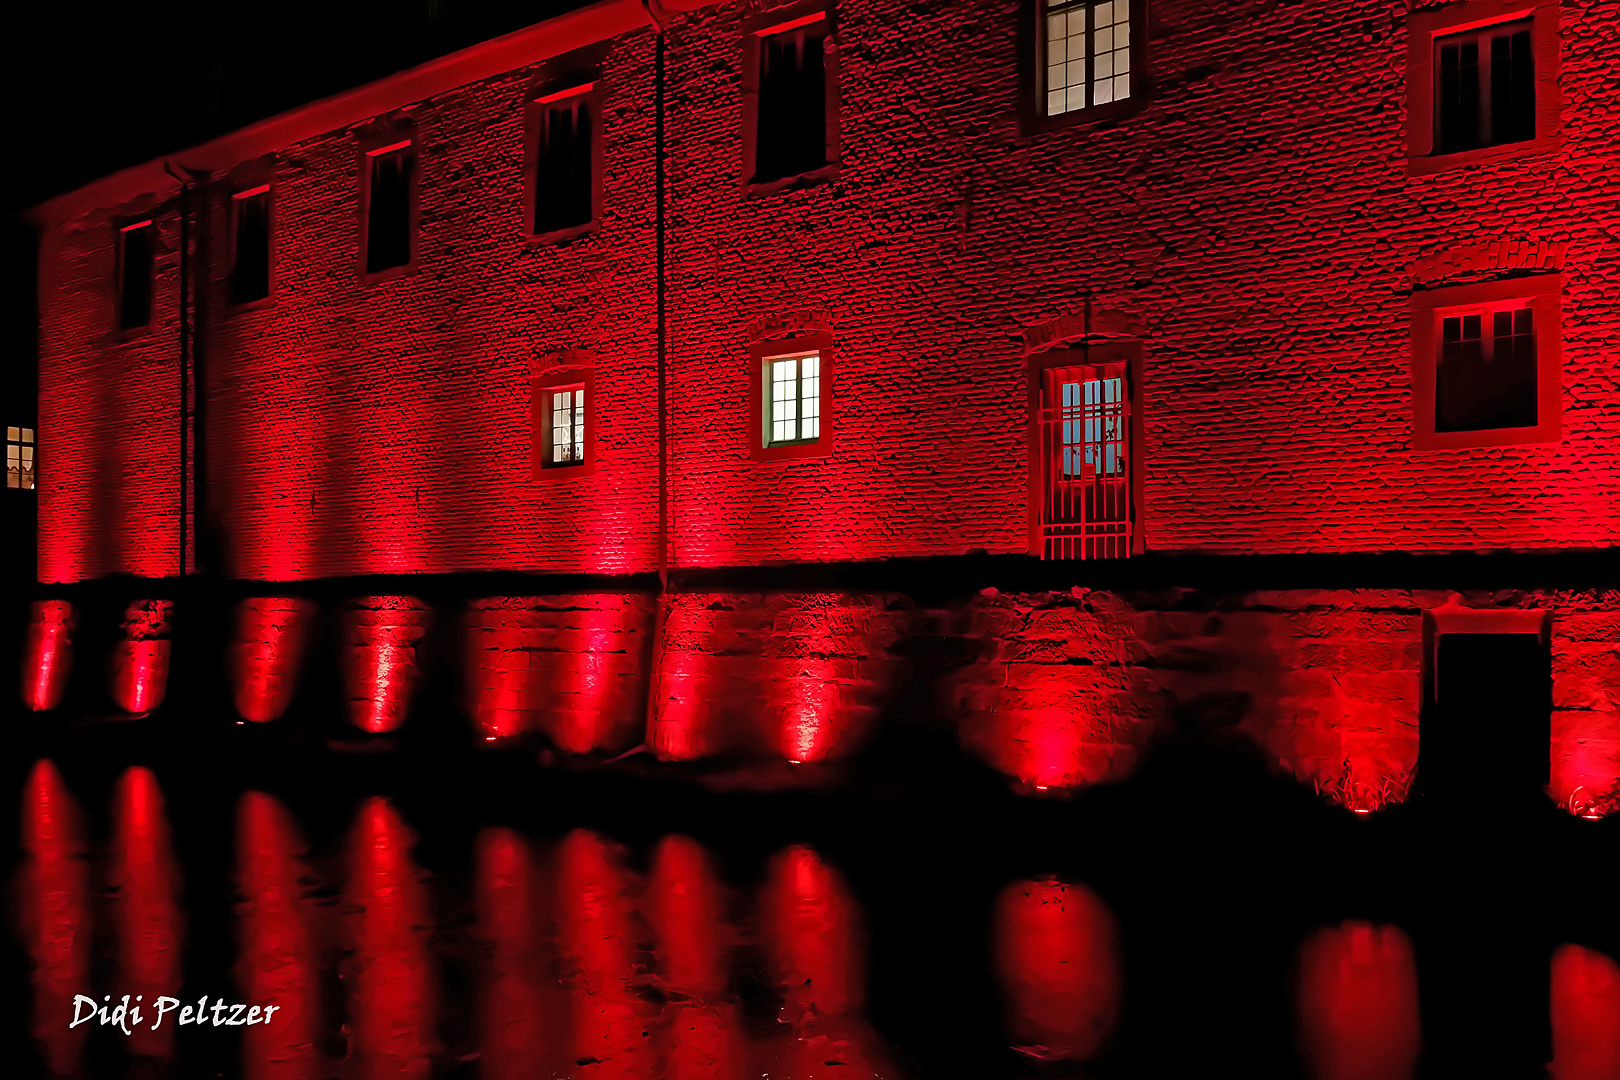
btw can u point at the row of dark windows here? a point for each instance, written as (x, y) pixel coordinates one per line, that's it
(1087, 56)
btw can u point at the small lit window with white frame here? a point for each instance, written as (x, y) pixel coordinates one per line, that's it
(1085, 55)
(565, 410)
(792, 399)
(20, 458)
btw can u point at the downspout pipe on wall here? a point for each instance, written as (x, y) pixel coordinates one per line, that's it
(185, 362)
(658, 17)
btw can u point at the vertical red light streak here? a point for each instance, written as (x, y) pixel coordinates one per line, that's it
(277, 965)
(594, 672)
(607, 1028)
(698, 1036)
(380, 666)
(684, 725)
(145, 911)
(809, 931)
(808, 924)
(390, 1000)
(1357, 1004)
(1585, 1015)
(140, 662)
(267, 652)
(48, 654)
(1056, 954)
(513, 1017)
(501, 639)
(55, 912)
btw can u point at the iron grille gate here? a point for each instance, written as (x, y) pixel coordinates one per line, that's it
(1085, 462)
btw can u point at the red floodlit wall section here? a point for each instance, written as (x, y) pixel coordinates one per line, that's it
(1057, 691)
(47, 656)
(266, 653)
(798, 677)
(380, 663)
(572, 667)
(385, 427)
(139, 669)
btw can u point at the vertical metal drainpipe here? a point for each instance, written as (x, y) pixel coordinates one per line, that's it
(659, 91)
(661, 608)
(185, 358)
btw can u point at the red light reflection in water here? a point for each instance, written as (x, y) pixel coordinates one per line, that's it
(698, 1036)
(1585, 1015)
(515, 1010)
(277, 965)
(55, 913)
(48, 654)
(140, 662)
(391, 1006)
(607, 1026)
(1056, 953)
(808, 930)
(145, 911)
(380, 667)
(269, 646)
(1357, 1003)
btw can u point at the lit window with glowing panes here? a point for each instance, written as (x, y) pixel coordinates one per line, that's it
(1093, 413)
(1086, 54)
(567, 426)
(794, 394)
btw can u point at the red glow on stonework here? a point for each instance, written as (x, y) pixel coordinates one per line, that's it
(275, 919)
(1056, 954)
(597, 936)
(811, 707)
(48, 655)
(267, 652)
(390, 998)
(380, 667)
(1357, 1004)
(1068, 745)
(53, 903)
(145, 911)
(685, 725)
(140, 661)
(593, 672)
(1586, 761)
(501, 639)
(515, 1012)
(698, 1035)
(1585, 1015)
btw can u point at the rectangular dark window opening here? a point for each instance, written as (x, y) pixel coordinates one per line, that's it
(135, 275)
(388, 211)
(1486, 732)
(1485, 377)
(250, 265)
(791, 130)
(1485, 88)
(564, 180)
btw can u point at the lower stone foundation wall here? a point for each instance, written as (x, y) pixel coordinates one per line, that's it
(1056, 690)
